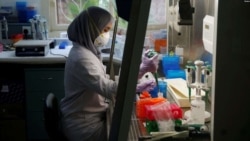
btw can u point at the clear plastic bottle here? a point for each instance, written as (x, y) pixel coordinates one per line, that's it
(198, 110)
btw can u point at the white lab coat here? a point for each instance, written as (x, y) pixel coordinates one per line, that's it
(84, 105)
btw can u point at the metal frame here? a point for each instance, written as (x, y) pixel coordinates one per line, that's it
(129, 70)
(230, 97)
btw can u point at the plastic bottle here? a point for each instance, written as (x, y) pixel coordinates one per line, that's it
(198, 110)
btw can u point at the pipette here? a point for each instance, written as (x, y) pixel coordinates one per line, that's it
(150, 54)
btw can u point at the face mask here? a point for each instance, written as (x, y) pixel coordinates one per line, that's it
(102, 39)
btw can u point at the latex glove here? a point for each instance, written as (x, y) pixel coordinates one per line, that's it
(147, 85)
(148, 64)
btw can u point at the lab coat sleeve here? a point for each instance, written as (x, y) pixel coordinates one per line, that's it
(92, 74)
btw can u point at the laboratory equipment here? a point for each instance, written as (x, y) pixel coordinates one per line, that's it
(198, 85)
(150, 54)
(147, 79)
(5, 11)
(208, 33)
(185, 11)
(3, 27)
(39, 28)
(32, 47)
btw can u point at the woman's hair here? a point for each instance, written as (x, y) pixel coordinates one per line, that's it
(87, 26)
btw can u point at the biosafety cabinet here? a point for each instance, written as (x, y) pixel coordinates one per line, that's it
(229, 55)
(230, 52)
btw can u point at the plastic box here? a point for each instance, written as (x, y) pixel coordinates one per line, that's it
(25, 14)
(176, 111)
(170, 63)
(20, 5)
(159, 43)
(142, 103)
(176, 74)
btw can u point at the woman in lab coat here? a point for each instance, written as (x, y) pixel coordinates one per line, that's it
(87, 86)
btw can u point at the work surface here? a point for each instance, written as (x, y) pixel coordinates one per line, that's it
(55, 55)
(138, 130)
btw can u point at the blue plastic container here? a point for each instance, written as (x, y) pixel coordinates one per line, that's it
(20, 5)
(154, 92)
(176, 74)
(170, 63)
(25, 14)
(63, 45)
(163, 88)
(21, 11)
(30, 13)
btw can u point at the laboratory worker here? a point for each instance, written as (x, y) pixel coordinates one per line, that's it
(87, 86)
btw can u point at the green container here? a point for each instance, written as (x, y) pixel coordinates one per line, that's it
(152, 126)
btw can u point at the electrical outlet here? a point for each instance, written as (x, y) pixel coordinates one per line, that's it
(28, 28)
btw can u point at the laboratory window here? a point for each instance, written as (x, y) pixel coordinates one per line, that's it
(62, 12)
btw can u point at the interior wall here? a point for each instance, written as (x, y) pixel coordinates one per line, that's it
(12, 3)
(190, 36)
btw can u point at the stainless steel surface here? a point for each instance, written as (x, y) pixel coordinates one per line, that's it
(134, 131)
(190, 36)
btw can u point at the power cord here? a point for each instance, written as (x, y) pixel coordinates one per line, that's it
(50, 51)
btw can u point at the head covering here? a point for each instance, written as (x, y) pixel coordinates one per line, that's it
(87, 26)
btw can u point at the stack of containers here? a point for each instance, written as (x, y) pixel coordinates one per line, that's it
(156, 112)
(160, 40)
(142, 103)
(24, 12)
(162, 116)
(171, 67)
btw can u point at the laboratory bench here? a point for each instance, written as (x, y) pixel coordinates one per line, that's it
(24, 84)
(26, 81)
(23, 91)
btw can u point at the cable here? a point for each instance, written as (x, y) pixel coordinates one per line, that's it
(58, 54)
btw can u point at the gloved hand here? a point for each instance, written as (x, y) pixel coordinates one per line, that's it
(148, 64)
(147, 85)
